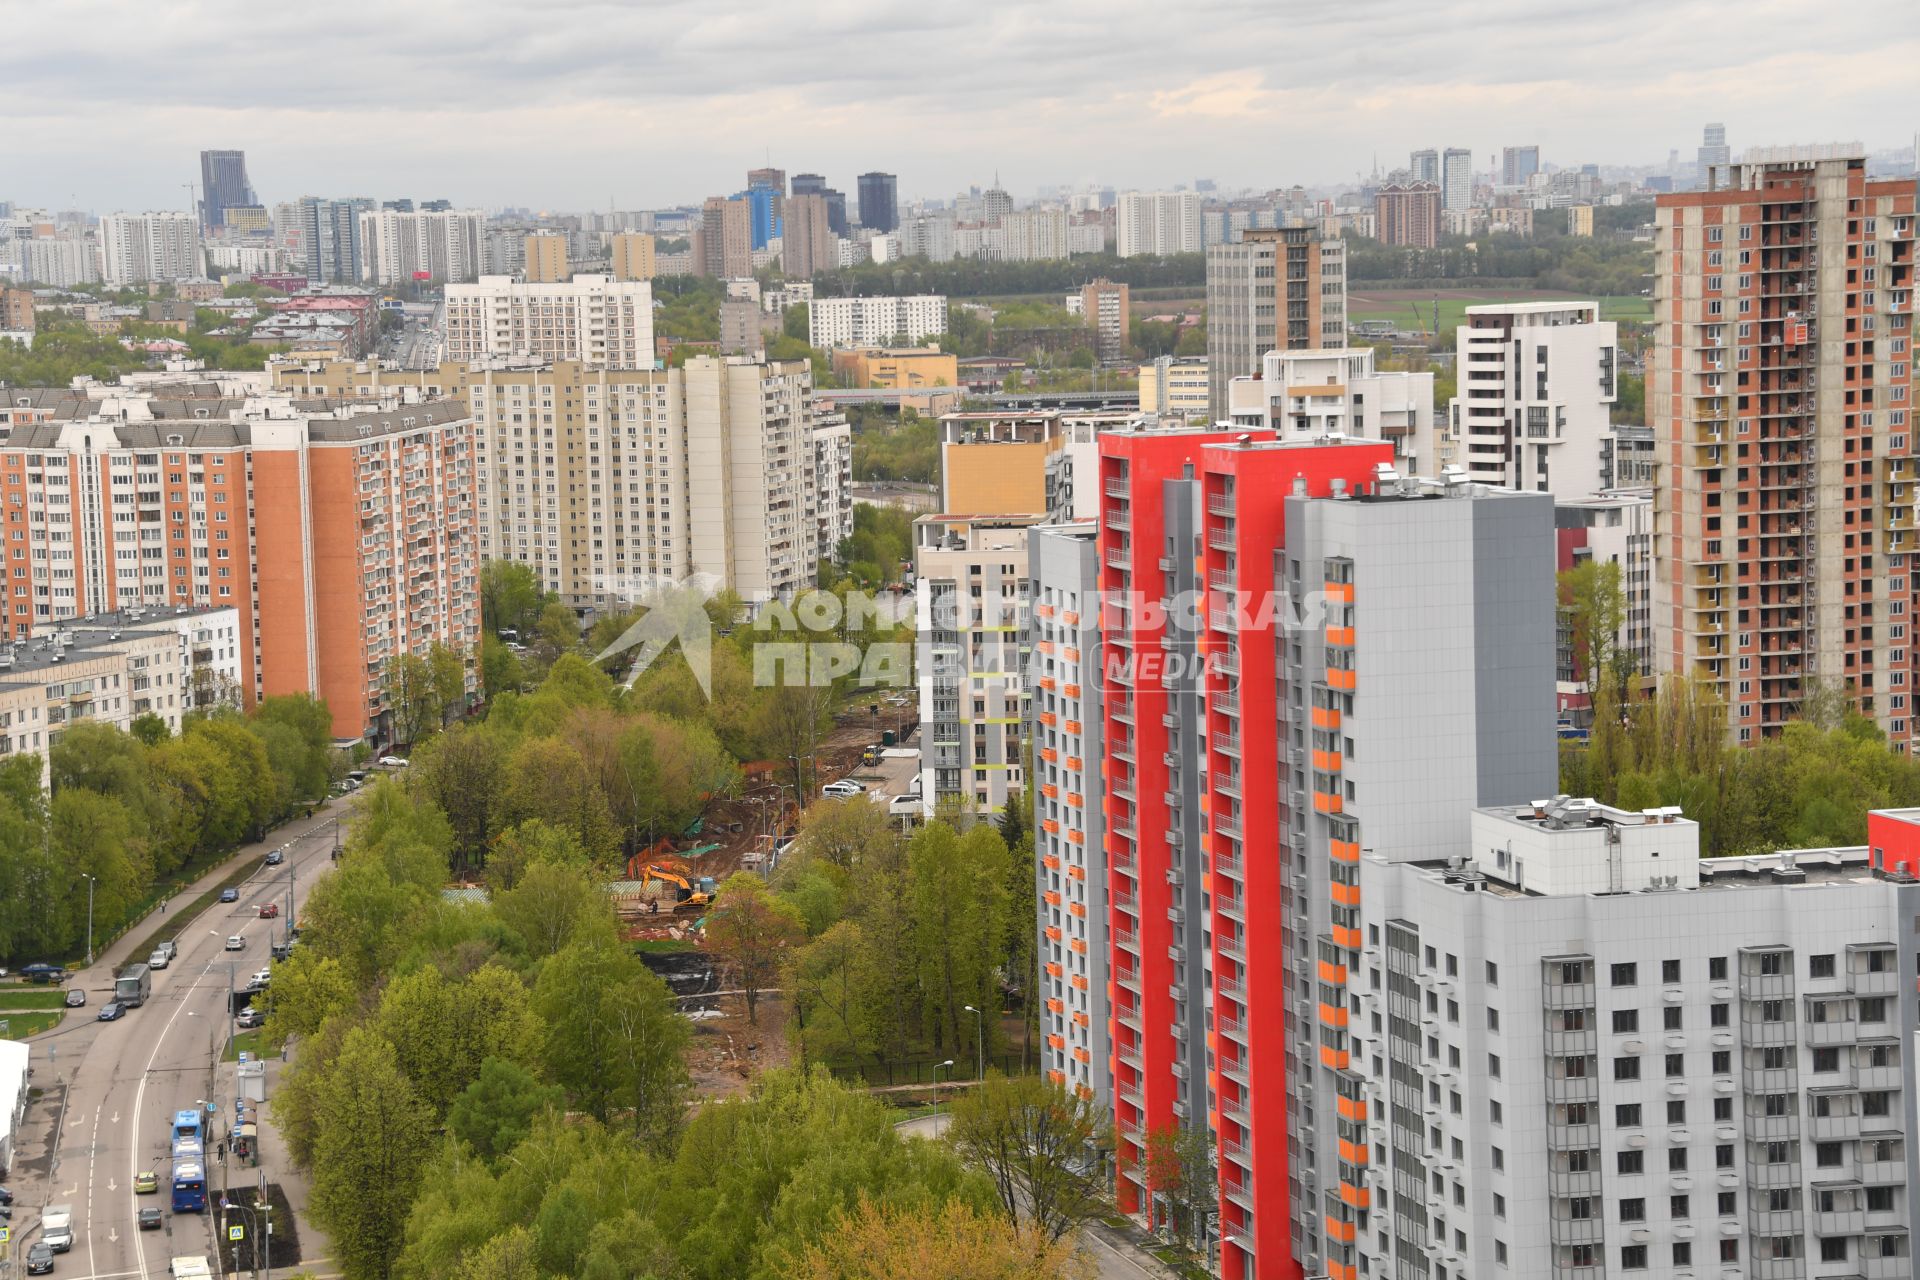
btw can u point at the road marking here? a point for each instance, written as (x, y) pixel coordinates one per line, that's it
(139, 1099)
(93, 1151)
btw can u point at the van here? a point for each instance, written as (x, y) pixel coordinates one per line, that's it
(845, 789)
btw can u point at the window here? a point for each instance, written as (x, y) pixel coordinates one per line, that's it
(1873, 1009)
(1683, 1253)
(1670, 1018)
(1633, 1257)
(1679, 1207)
(1493, 974)
(1717, 969)
(1719, 1015)
(1676, 1111)
(1629, 1162)
(1723, 1156)
(1723, 1062)
(1676, 1159)
(1625, 975)
(1626, 1021)
(1633, 1210)
(1626, 1068)
(1826, 1059)
(1627, 1115)
(1827, 1155)
(1833, 1248)
(1669, 971)
(1580, 1208)
(1676, 1065)
(1820, 966)
(1729, 1249)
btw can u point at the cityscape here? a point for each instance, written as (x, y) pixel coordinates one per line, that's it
(638, 651)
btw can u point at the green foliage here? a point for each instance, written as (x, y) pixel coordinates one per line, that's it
(1039, 1143)
(796, 321)
(497, 1111)
(373, 1139)
(614, 1039)
(1594, 601)
(907, 450)
(510, 596)
(980, 278)
(872, 556)
(1630, 400)
(688, 308)
(750, 933)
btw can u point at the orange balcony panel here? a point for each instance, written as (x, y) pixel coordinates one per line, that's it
(1075, 800)
(1076, 837)
(1358, 1197)
(1325, 803)
(1049, 790)
(1339, 678)
(1342, 1271)
(1348, 938)
(1056, 1041)
(1326, 718)
(1082, 1020)
(1344, 850)
(1341, 591)
(1354, 1153)
(1081, 1055)
(1075, 764)
(1048, 682)
(1326, 761)
(1071, 618)
(1077, 909)
(1347, 895)
(1354, 1109)
(1049, 719)
(1337, 1059)
(1079, 982)
(1044, 610)
(1056, 1006)
(1044, 646)
(1333, 1015)
(1071, 726)
(1070, 690)
(1049, 754)
(1051, 898)
(1057, 1077)
(1338, 1230)
(1076, 873)
(1078, 946)
(1051, 862)
(1053, 933)
(1334, 975)
(1053, 970)
(1050, 826)
(1070, 652)
(1342, 636)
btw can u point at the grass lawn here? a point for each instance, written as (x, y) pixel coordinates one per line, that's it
(664, 946)
(14, 999)
(247, 1042)
(22, 1025)
(1397, 305)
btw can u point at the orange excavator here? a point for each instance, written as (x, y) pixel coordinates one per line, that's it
(697, 893)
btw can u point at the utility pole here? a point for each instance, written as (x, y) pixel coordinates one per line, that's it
(91, 881)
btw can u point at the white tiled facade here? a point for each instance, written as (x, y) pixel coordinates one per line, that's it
(1309, 395)
(601, 322)
(1537, 383)
(875, 322)
(138, 247)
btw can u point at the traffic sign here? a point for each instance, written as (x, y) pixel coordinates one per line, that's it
(6, 1234)
(236, 1232)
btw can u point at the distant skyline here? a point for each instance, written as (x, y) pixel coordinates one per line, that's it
(578, 106)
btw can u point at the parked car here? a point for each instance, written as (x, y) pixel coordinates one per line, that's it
(229, 895)
(281, 950)
(171, 947)
(6, 1195)
(249, 1018)
(269, 910)
(146, 1182)
(152, 1219)
(111, 1011)
(276, 856)
(160, 959)
(39, 1260)
(394, 762)
(260, 979)
(845, 789)
(43, 973)
(236, 943)
(76, 998)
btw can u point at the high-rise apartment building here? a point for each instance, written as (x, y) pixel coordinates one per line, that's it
(1276, 288)
(1714, 151)
(879, 203)
(1614, 527)
(223, 186)
(545, 259)
(707, 470)
(330, 233)
(16, 310)
(1456, 178)
(58, 262)
(1407, 214)
(806, 238)
(812, 184)
(1316, 395)
(1064, 725)
(1425, 165)
(428, 247)
(1175, 388)
(633, 256)
(340, 539)
(970, 575)
(876, 322)
(1104, 304)
(1157, 222)
(763, 215)
(138, 247)
(1518, 165)
(600, 322)
(723, 239)
(1780, 388)
(1537, 385)
(831, 496)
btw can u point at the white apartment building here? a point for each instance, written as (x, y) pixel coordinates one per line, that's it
(438, 246)
(1313, 395)
(56, 261)
(1157, 222)
(1456, 178)
(1582, 1050)
(1175, 388)
(971, 611)
(609, 483)
(601, 322)
(1536, 390)
(1614, 526)
(138, 247)
(1070, 853)
(1033, 235)
(876, 322)
(832, 495)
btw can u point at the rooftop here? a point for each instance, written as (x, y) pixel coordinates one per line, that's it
(76, 636)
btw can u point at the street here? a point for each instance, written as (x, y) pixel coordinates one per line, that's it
(110, 1090)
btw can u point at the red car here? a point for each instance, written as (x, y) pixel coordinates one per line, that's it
(268, 910)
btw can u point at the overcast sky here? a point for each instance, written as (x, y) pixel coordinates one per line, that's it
(568, 104)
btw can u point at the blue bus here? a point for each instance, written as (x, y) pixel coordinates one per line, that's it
(186, 1124)
(188, 1149)
(189, 1186)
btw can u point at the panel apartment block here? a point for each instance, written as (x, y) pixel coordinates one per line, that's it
(603, 323)
(1276, 288)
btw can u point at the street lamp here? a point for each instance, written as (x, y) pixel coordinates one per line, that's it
(91, 881)
(936, 1083)
(980, 1020)
(227, 1205)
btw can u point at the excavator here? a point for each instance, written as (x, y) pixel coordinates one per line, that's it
(697, 893)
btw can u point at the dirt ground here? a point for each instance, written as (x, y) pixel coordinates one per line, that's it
(727, 1053)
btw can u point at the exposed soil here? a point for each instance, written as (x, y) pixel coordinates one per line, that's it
(236, 1256)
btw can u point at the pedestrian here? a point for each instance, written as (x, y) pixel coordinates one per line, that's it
(163, 906)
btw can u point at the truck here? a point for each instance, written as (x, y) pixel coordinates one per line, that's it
(56, 1227)
(133, 985)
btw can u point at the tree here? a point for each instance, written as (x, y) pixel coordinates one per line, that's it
(411, 697)
(829, 990)
(1181, 1173)
(462, 772)
(558, 629)
(1596, 606)
(750, 932)
(496, 1112)
(613, 1037)
(847, 834)
(308, 988)
(373, 1139)
(443, 1030)
(448, 668)
(551, 905)
(501, 670)
(957, 899)
(954, 1242)
(548, 779)
(1039, 1144)
(510, 597)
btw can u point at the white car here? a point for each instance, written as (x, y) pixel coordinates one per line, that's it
(845, 789)
(236, 943)
(159, 960)
(394, 762)
(261, 978)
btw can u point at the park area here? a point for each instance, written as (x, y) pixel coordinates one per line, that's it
(1409, 310)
